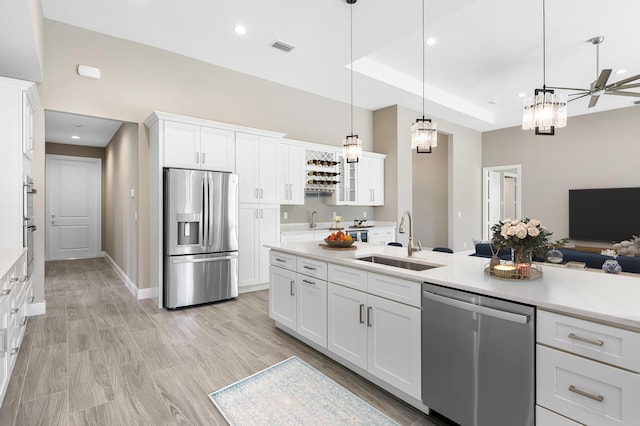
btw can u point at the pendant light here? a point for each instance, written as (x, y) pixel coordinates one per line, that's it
(424, 133)
(352, 145)
(546, 110)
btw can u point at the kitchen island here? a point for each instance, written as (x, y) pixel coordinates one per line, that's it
(601, 309)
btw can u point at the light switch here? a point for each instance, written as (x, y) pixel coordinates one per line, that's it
(132, 193)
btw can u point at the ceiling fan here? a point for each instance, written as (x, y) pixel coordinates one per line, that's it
(599, 86)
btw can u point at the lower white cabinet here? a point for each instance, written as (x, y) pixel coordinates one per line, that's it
(258, 224)
(545, 417)
(381, 236)
(376, 334)
(298, 300)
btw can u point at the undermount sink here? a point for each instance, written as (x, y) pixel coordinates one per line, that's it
(398, 263)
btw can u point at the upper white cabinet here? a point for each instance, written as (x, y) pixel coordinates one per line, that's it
(370, 180)
(256, 165)
(290, 174)
(18, 101)
(197, 147)
(346, 191)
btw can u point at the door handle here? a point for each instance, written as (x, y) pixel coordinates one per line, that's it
(197, 155)
(574, 389)
(309, 282)
(361, 313)
(203, 160)
(210, 209)
(586, 340)
(203, 259)
(483, 310)
(369, 323)
(261, 193)
(261, 213)
(291, 286)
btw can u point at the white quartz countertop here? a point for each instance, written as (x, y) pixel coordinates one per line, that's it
(8, 257)
(591, 294)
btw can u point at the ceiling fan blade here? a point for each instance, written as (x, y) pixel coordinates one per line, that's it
(586, 92)
(593, 101)
(620, 93)
(627, 86)
(567, 88)
(581, 96)
(626, 80)
(602, 79)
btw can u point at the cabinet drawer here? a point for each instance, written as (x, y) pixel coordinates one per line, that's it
(380, 233)
(586, 391)
(397, 289)
(282, 260)
(349, 277)
(545, 417)
(600, 342)
(312, 268)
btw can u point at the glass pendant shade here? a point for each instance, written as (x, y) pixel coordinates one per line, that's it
(352, 148)
(424, 135)
(545, 112)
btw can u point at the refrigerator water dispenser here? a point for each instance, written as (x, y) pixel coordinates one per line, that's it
(188, 229)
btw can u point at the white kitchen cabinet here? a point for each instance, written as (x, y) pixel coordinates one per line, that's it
(191, 146)
(290, 174)
(587, 372)
(256, 165)
(282, 296)
(27, 125)
(370, 180)
(376, 334)
(311, 311)
(346, 191)
(258, 224)
(381, 236)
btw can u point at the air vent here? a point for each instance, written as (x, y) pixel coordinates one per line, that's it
(636, 102)
(281, 45)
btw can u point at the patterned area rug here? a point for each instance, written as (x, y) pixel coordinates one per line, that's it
(293, 393)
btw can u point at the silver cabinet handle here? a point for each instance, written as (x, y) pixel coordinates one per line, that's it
(24, 322)
(3, 342)
(23, 278)
(309, 267)
(14, 351)
(586, 340)
(261, 213)
(574, 389)
(483, 310)
(31, 299)
(309, 282)
(291, 286)
(361, 313)
(203, 160)
(14, 311)
(5, 292)
(280, 260)
(256, 213)
(369, 323)
(257, 193)
(261, 193)
(203, 259)
(14, 279)
(197, 155)
(290, 192)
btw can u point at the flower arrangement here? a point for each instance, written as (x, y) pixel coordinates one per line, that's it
(610, 252)
(336, 222)
(521, 235)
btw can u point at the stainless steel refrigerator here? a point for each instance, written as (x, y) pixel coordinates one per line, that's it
(200, 237)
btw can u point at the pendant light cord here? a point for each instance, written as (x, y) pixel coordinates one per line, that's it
(423, 60)
(544, 48)
(351, 68)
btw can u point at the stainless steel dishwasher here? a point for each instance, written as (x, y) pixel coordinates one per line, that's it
(477, 358)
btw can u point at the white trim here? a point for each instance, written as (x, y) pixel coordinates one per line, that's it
(252, 288)
(138, 293)
(39, 308)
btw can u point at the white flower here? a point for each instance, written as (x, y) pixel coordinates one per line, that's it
(337, 219)
(515, 222)
(609, 252)
(507, 220)
(511, 231)
(533, 231)
(505, 227)
(534, 222)
(504, 234)
(521, 232)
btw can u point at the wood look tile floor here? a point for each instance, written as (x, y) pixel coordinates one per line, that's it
(101, 357)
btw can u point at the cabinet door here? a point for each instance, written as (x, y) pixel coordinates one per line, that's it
(218, 149)
(346, 322)
(282, 296)
(296, 176)
(345, 193)
(312, 309)
(268, 170)
(181, 145)
(269, 233)
(376, 180)
(365, 194)
(282, 172)
(394, 344)
(246, 167)
(27, 127)
(248, 244)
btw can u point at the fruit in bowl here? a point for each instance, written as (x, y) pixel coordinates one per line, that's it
(339, 239)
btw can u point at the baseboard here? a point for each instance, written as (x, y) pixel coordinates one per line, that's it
(145, 293)
(254, 287)
(39, 308)
(127, 282)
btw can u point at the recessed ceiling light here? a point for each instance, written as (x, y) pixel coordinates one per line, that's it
(522, 95)
(75, 137)
(78, 125)
(493, 102)
(240, 29)
(622, 71)
(430, 41)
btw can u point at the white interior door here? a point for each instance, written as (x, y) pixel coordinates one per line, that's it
(73, 207)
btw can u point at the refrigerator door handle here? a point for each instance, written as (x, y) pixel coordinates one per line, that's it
(210, 212)
(205, 212)
(203, 259)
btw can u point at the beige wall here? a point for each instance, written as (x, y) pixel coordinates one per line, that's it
(138, 79)
(599, 150)
(90, 152)
(120, 176)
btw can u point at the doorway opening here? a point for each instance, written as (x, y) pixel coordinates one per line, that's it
(501, 194)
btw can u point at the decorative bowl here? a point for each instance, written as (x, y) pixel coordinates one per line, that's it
(336, 243)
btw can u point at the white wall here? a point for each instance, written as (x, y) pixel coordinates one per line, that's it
(599, 150)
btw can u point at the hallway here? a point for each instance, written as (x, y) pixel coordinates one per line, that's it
(99, 356)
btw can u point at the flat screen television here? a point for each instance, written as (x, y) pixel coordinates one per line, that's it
(610, 214)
